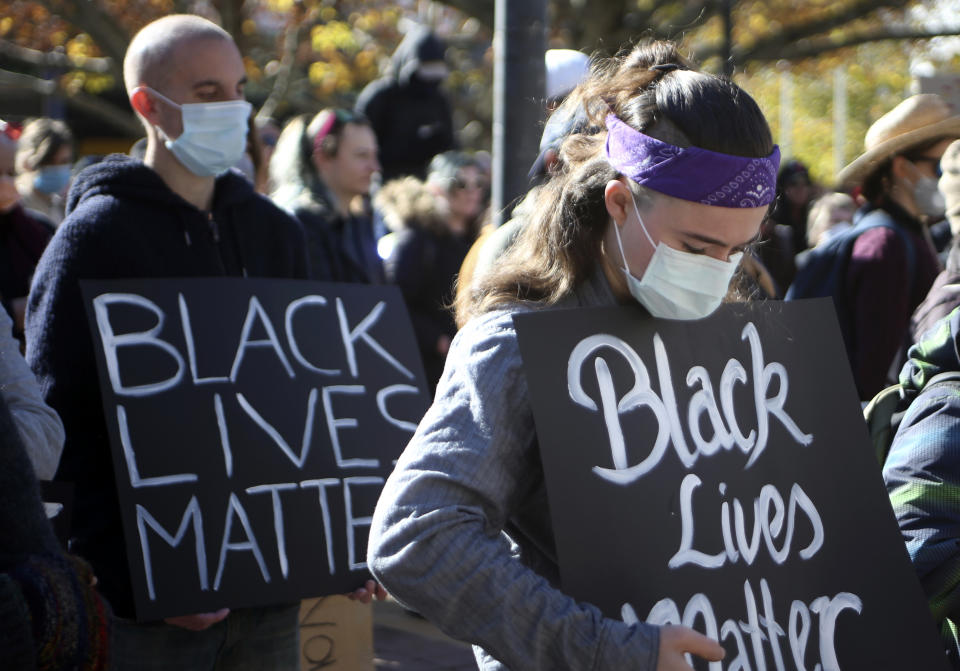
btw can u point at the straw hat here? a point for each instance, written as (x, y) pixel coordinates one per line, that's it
(916, 120)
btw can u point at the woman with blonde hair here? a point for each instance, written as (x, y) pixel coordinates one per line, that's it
(654, 208)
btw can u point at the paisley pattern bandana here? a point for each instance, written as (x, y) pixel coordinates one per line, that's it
(691, 173)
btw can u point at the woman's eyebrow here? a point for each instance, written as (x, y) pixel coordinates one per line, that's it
(714, 241)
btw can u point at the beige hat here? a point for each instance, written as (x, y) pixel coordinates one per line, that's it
(916, 120)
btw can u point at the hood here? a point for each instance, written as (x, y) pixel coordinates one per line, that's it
(934, 352)
(129, 178)
(419, 46)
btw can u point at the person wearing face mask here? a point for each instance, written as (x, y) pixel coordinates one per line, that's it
(180, 212)
(43, 164)
(24, 235)
(638, 213)
(407, 109)
(944, 295)
(893, 265)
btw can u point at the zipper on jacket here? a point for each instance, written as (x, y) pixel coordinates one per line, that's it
(214, 229)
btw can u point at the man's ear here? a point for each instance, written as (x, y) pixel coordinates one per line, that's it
(902, 168)
(617, 198)
(144, 105)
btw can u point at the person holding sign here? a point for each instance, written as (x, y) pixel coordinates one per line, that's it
(179, 213)
(462, 531)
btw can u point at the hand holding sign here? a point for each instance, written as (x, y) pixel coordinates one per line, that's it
(370, 591)
(677, 641)
(198, 622)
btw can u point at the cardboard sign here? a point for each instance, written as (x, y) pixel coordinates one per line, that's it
(336, 633)
(718, 474)
(253, 424)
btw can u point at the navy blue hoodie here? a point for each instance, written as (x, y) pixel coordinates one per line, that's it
(412, 118)
(124, 222)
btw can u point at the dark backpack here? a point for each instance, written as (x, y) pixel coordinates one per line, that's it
(886, 410)
(821, 271)
(883, 415)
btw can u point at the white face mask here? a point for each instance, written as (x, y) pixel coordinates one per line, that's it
(928, 198)
(678, 285)
(214, 136)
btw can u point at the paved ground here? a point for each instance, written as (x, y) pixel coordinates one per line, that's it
(404, 642)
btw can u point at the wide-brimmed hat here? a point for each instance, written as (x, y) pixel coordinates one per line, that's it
(916, 120)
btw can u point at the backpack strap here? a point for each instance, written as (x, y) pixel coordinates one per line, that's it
(885, 411)
(880, 416)
(878, 217)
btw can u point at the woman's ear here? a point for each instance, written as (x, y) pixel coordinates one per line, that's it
(617, 198)
(320, 160)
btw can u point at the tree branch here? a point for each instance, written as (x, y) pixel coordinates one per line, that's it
(482, 10)
(105, 31)
(53, 59)
(17, 80)
(119, 118)
(231, 17)
(775, 42)
(810, 49)
(281, 83)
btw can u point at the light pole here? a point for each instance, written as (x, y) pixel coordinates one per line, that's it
(519, 43)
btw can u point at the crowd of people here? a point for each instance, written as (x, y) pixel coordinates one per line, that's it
(622, 209)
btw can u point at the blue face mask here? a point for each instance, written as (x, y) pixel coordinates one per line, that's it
(214, 135)
(52, 179)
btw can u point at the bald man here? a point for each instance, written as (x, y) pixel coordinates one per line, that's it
(181, 212)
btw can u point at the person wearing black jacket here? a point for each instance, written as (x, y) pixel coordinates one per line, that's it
(409, 112)
(179, 213)
(323, 170)
(435, 223)
(51, 618)
(23, 236)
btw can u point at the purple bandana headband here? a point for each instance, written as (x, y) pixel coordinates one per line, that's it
(691, 173)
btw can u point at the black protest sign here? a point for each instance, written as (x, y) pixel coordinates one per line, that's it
(718, 474)
(253, 424)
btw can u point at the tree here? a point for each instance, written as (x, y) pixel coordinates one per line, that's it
(763, 30)
(305, 54)
(299, 54)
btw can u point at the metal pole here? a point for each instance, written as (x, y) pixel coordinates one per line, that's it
(519, 43)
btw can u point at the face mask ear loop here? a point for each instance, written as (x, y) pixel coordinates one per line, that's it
(159, 95)
(167, 100)
(616, 229)
(636, 211)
